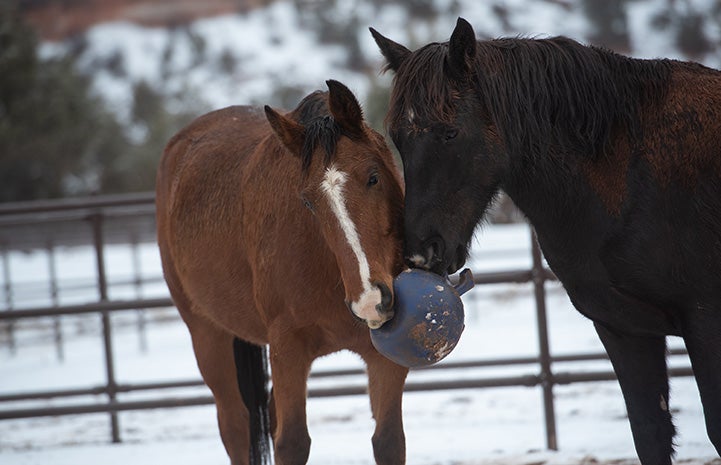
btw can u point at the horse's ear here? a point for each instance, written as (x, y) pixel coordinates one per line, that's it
(345, 108)
(290, 133)
(461, 48)
(395, 53)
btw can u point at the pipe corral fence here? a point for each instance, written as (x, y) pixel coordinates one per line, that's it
(101, 221)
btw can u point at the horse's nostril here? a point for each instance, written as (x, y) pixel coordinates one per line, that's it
(433, 248)
(386, 304)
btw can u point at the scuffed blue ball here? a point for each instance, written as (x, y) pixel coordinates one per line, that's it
(428, 320)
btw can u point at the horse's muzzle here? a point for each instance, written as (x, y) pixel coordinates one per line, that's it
(374, 307)
(427, 254)
(432, 255)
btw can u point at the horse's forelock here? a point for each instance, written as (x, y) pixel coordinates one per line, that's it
(321, 129)
(421, 89)
(324, 132)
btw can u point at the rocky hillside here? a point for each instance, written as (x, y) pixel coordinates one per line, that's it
(59, 20)
(187, 56)
(233, 51)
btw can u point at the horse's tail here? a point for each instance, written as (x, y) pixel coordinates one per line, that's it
(251, 364)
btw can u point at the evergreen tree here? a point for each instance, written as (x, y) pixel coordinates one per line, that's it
(55, 137)
(136, 170)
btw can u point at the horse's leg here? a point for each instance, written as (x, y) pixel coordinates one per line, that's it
(640, 365)
(702, 334)
(385, 388)
(214, 353)
(290, 364)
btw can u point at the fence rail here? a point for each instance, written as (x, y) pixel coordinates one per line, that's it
(35, 225)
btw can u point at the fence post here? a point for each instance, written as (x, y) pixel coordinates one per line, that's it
(10, 325)
(112, 387)
(54, 296)
(547, 380)
(138, 285)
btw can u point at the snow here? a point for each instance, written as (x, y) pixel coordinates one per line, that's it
(648, 42)
(468, 426)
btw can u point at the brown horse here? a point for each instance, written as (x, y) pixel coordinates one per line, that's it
(271, 227)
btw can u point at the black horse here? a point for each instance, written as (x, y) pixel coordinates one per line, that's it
(617, 164)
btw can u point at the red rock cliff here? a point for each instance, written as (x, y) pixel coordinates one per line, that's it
(57, 19)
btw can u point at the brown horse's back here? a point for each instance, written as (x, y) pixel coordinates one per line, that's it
(199, 202)
(207, 159)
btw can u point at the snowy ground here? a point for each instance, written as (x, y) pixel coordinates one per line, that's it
(469, 427)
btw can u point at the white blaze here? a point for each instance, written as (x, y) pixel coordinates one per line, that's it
(365, 306)
(411, 115)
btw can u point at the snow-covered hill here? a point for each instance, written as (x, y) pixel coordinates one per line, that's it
(275, 55)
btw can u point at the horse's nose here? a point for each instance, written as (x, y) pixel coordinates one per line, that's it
(428, 254)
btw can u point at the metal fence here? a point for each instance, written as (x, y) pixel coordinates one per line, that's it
(129, 219)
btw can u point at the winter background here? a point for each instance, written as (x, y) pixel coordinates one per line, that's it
(276, 54)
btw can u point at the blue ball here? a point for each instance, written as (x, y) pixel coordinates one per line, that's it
(428, 319)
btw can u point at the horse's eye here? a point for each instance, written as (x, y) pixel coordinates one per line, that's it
(308, 204)
(451, 133)
(373, 180)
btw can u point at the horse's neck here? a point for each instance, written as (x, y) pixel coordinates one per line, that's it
(555, 196)
(582, 196)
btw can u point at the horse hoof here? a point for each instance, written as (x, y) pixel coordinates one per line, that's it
(428, 319)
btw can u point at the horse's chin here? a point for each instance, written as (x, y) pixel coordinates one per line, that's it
(375, 324)
(374, 306)
(451, 264)
(459, 260)
(453, 267)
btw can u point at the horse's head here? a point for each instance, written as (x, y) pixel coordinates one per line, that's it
(354, 191)
(452, 154)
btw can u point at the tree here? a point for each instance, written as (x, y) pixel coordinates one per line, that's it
(55, 136)
(135, 171)
(609, 25)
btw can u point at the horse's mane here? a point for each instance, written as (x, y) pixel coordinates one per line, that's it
(321, 129)
(538, 92)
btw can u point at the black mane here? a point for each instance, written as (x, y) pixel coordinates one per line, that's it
(320, 127)
(555, 90)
